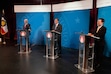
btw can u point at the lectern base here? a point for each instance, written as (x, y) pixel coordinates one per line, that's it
(24, 51)
(89, 70)
(51, 57)
(21, 52)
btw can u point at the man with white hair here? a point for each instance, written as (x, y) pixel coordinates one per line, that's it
(26, 25)
(27, 29)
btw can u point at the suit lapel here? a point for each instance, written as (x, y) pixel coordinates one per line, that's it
(100, 29)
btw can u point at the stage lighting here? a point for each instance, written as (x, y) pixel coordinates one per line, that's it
(49, 34)
(22, 33)
(82, 38)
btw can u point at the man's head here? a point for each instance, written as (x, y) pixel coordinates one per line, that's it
(25, 21)
(56, 21)
(100, 22)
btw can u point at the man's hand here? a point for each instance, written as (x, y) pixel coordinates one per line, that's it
(53, 30)
(90, 34)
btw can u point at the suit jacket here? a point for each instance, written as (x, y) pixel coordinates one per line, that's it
(27, 28)
(101, 34)
(58, 29)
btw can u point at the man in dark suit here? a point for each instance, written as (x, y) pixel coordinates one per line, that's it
(26, 26)
(99, 43)
(27, 29)
(58, 27)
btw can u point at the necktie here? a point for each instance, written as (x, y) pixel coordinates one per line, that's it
(55, 27)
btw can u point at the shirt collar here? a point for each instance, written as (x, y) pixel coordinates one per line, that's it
(100, 26)
(57, 24)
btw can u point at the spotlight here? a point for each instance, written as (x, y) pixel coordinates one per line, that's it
(49, 34)
(22, 33)
(82, 38)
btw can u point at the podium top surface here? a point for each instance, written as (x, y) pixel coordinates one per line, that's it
(52, 31)
(95, 37)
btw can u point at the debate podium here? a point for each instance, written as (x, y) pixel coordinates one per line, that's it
(51, 44)
(86, 54)
(24, 49)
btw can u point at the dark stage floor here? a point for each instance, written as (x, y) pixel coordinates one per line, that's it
(34, 63)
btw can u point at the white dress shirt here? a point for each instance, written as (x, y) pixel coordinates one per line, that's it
(56, 26)
(98, 28)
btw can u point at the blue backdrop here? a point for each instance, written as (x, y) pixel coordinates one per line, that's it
(39, 21)
(73, 22)
(105, 12)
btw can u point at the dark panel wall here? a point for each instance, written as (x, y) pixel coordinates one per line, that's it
(42, 1)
